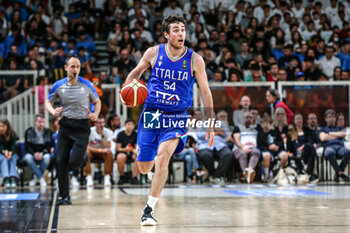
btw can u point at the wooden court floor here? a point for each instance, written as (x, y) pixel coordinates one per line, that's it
(193, 208)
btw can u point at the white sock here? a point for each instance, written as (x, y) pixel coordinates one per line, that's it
(152, 201)
(266, 170)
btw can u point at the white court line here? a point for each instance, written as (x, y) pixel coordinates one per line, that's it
(52, 213)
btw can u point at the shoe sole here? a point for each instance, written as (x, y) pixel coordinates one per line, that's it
(149, 222)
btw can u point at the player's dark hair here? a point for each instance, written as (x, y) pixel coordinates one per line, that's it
(71, 56)
(171, 19)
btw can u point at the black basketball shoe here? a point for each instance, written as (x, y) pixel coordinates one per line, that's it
(147, 218)
(64, 201)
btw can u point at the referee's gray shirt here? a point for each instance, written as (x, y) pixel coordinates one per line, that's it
(75, 99)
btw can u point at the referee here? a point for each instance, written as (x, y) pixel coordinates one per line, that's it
(75, 95)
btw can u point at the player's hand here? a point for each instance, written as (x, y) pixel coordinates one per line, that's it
(210, 135)
(58, 111)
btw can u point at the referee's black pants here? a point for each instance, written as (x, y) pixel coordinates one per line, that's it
(72, 141)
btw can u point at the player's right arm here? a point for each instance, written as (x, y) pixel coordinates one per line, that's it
(145, 62)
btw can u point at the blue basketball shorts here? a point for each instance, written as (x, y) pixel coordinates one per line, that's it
(156, 127)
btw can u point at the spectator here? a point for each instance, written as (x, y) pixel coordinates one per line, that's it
(266, 145)
(126, 151)
(340, 120)
(280, 136)
(244, 105)
(220, 150)
(344, 75)
(8, 156)
(282, 75)
(38, 146)
(172, 9)
(312, 129)
(312, 72)
(245, 149)
(84, 59)
(122, 66)
(11, 83)
(255, 75)
(343, 55)
(100, 147)
(302, 147)
(273, 99)
(329, 62)
(273, 75)
(244, 55)
(58, 23)
(189, 155)
(332, 138)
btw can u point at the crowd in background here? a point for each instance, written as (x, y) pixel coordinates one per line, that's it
(240, 40)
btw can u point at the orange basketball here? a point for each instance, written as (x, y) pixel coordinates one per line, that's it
(133, 93)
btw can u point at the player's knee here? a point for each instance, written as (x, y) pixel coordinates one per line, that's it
(144, 168)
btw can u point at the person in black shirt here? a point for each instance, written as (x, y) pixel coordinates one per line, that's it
(126, 150)
(266, 144)
(280, 136)
(312, 130)
(302, 148)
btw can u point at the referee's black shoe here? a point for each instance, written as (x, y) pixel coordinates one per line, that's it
(64, 201)
(147, 218)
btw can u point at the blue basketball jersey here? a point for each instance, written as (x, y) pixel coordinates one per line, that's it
(170, 87)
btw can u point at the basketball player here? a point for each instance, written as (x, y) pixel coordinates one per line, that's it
(174, 70)
(75, 94)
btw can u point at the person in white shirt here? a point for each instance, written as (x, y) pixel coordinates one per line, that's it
(259, 11)
(307, 34)
(329, 62)
(100, 147)
(298, 9)
(172, 9)
(332, 10)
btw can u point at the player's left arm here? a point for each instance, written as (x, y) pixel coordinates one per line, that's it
(202, 80)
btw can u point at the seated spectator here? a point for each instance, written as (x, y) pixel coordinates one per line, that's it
(273, 75)
(126, 150)
(38, 146)
(329, 62)
(122, 67)
(302, 147)
(11, 83)
(340, 119)
(189, 155)
(8, 156)
(312, 72)
(245, 149)
(256, 118)
(266, 145)
(219, 150)
(255, 75)
(244, 55)
(280, 137)
(332, 138)
(312, 129)
(273, 99)
(244, 105)
(99, 147)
